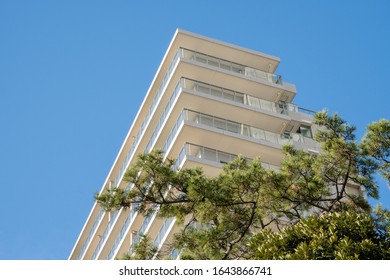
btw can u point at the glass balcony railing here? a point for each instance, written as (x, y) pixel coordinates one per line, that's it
(180, 158)
(141, 231)
(122, 232)
(213, 155)
(163, 231)
(173, 132)
(175, 254)
(105, 234)
(126, 226)
(234, 96)
(91, 232)
(163, 117)
(209, 154)
(242, 98)
(230, 66)
(238, 128)
(233, 127)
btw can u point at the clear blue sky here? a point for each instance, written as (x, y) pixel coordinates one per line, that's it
(74, 73)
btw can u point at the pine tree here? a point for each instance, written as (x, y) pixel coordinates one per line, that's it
(223, 217)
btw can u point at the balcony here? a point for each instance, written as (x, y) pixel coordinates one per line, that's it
(104, 235)
(242, 98)
(91, 233)
(165, 228)
(123, 231)
(230, 66)
(205, 155)
(232, 127)
(141, 231)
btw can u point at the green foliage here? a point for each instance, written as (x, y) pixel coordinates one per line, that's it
(219, 216)
(342, 160)
(376, 144)
(339, 235)
(143, 250)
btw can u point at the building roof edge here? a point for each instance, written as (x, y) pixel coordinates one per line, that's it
(216, 41)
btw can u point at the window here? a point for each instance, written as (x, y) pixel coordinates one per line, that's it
(305, 131)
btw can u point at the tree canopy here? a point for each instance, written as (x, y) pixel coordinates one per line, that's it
(343, 235)
(224, 217)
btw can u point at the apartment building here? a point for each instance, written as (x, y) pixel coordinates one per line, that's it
(208, 102)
